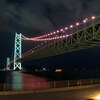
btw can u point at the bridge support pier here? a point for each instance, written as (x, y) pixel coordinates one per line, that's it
(8, 61)
(17, 51)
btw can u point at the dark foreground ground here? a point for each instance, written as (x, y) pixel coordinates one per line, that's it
(80, 94)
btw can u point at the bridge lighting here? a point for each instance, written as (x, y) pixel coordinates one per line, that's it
(53, 38)
(84, 21)
(57, 37)
(61, 30)
(93, 17)
(60, 36)
(64, 36)
(66, 28)
(71, 26)
(54, 32)
(77, 23)
(67, 35)
(57, 31)
(51, 33)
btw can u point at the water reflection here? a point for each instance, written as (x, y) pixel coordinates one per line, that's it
(16, 81)
(22, 81)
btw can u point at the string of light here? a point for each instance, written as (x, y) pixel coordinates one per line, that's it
(43, 37)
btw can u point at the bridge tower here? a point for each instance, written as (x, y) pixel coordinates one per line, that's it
(17, 51)
(8, 61)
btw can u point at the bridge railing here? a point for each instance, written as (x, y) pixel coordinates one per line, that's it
(48, 84)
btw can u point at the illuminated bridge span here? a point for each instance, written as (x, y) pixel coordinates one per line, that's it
(71, 38)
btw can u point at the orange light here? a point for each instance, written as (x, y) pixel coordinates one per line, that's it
(58, 70)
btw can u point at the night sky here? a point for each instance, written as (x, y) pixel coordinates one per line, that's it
(38, 17)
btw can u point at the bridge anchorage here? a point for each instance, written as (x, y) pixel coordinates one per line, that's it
(17, 51)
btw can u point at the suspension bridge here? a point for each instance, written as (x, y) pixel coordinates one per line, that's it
(81, 35)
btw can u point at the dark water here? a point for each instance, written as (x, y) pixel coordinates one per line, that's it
(25, 81)
(22, 81)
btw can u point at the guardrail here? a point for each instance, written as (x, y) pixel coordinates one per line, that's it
(48, 84)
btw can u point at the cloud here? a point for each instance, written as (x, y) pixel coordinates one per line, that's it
(43, 15)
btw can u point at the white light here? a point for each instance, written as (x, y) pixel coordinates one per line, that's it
(93, 17)
(63, 35)
(77, 24)
(71, 26)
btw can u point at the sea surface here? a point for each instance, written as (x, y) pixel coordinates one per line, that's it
(15, 80)
(21, 81)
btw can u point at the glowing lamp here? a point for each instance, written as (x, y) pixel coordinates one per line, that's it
(54, 32)
(77, 24)
(60, 36)
(57, 37)
(51, 33)
(61, 29)
(84, 21)
(93, 17)
(71, 26)
(66, 28)
(66, 35)
(57, 31)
